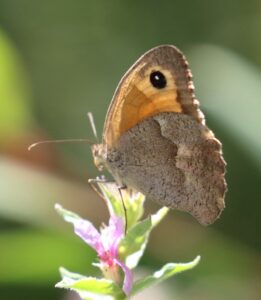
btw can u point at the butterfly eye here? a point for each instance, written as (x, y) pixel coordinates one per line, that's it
(158, 80)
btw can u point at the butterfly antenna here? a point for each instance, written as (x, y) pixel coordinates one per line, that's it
(91, 120)
(60, 142)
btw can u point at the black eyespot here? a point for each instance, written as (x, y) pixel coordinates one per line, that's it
(158, 80)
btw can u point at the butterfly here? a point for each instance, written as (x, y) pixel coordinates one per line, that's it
(155, 138)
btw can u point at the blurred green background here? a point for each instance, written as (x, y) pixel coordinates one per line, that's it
(59, 60)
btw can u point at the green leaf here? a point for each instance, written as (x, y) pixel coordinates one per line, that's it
(117, 199)
(164, 273)
(133, 245)
(90, 287)
(134, 207)
(111, 193)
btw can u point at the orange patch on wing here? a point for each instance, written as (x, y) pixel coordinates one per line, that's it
(141, 101)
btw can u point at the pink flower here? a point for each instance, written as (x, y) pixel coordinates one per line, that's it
(106, 244)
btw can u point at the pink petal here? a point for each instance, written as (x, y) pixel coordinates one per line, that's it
(111, 235)
(86, 231)
(128, 278)
(116, 233)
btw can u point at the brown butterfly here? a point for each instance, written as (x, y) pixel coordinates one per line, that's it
(156, 141)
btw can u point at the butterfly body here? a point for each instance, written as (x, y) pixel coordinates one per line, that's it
(156, 141)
